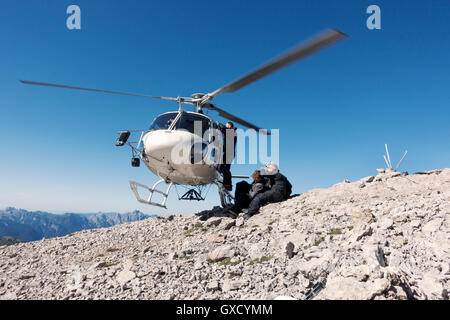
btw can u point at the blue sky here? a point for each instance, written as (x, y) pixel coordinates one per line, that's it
(335, 110)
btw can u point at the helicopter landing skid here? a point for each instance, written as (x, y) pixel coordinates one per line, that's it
(135, 185)
(226, 199)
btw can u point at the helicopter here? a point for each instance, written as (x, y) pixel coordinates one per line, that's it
(193, 138)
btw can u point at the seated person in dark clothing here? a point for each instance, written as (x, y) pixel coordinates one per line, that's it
(229, 150)
(245, 192)
(280, 189)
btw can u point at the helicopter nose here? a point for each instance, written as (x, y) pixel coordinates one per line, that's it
(159, 144)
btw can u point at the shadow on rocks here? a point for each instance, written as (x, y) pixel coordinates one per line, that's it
(214, 212)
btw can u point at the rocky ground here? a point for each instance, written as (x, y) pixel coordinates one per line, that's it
(382, 237)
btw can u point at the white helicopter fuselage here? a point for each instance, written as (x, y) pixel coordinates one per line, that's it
(168, 153)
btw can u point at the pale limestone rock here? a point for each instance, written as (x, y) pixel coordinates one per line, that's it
(386, 223)
(361, 273)
(415, 223)
(213, 286)
(216, 238)
(400, 293)
(431, 286)
(125, 276)
(240, 221)
(340, 288)
(433, 226)
(313, 267)
(213, 222)
(229, 285)
(255, 251)
(303, 282)
(360, 231)
(368, 179)
(221, 253)
(361, 217)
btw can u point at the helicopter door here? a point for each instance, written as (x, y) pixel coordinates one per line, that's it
(200, 126)
(210, 153)
(214, 151)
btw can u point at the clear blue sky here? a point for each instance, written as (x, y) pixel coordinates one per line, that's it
(335, 110)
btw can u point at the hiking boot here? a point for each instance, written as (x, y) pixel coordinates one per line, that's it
(247, 216)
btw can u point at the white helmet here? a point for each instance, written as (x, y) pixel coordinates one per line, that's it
(269, 170)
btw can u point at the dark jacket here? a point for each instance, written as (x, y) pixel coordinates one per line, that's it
(229, 136)
(281, 185)
(259, 187)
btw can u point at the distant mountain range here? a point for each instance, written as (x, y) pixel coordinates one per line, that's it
(31, 226)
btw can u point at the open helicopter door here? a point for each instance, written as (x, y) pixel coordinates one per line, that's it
(214, 152)
(135, 185)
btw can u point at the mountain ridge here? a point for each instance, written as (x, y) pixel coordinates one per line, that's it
(35, 225)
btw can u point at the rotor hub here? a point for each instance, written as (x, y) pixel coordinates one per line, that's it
(197, 95)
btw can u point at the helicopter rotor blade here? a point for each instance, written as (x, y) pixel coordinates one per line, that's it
(320, 41)
(231, 117)
(102, 91)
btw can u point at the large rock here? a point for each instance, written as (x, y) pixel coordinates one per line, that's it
(126, 275)
(216, 238)
(340, 288)
(213, 222)
(314, 267)
(212, 286)
(431, 286)
(433, 226)
(361, 217)
(221, 253)
(360, 231)
(229, 285)
(255, 251)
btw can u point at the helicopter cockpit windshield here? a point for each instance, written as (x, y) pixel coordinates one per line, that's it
(163, 121)
(188, 121)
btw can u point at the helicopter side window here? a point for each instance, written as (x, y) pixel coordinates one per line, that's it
(188, 120)
(163, 121)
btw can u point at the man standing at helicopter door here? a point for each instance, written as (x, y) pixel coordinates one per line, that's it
(229, 150)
